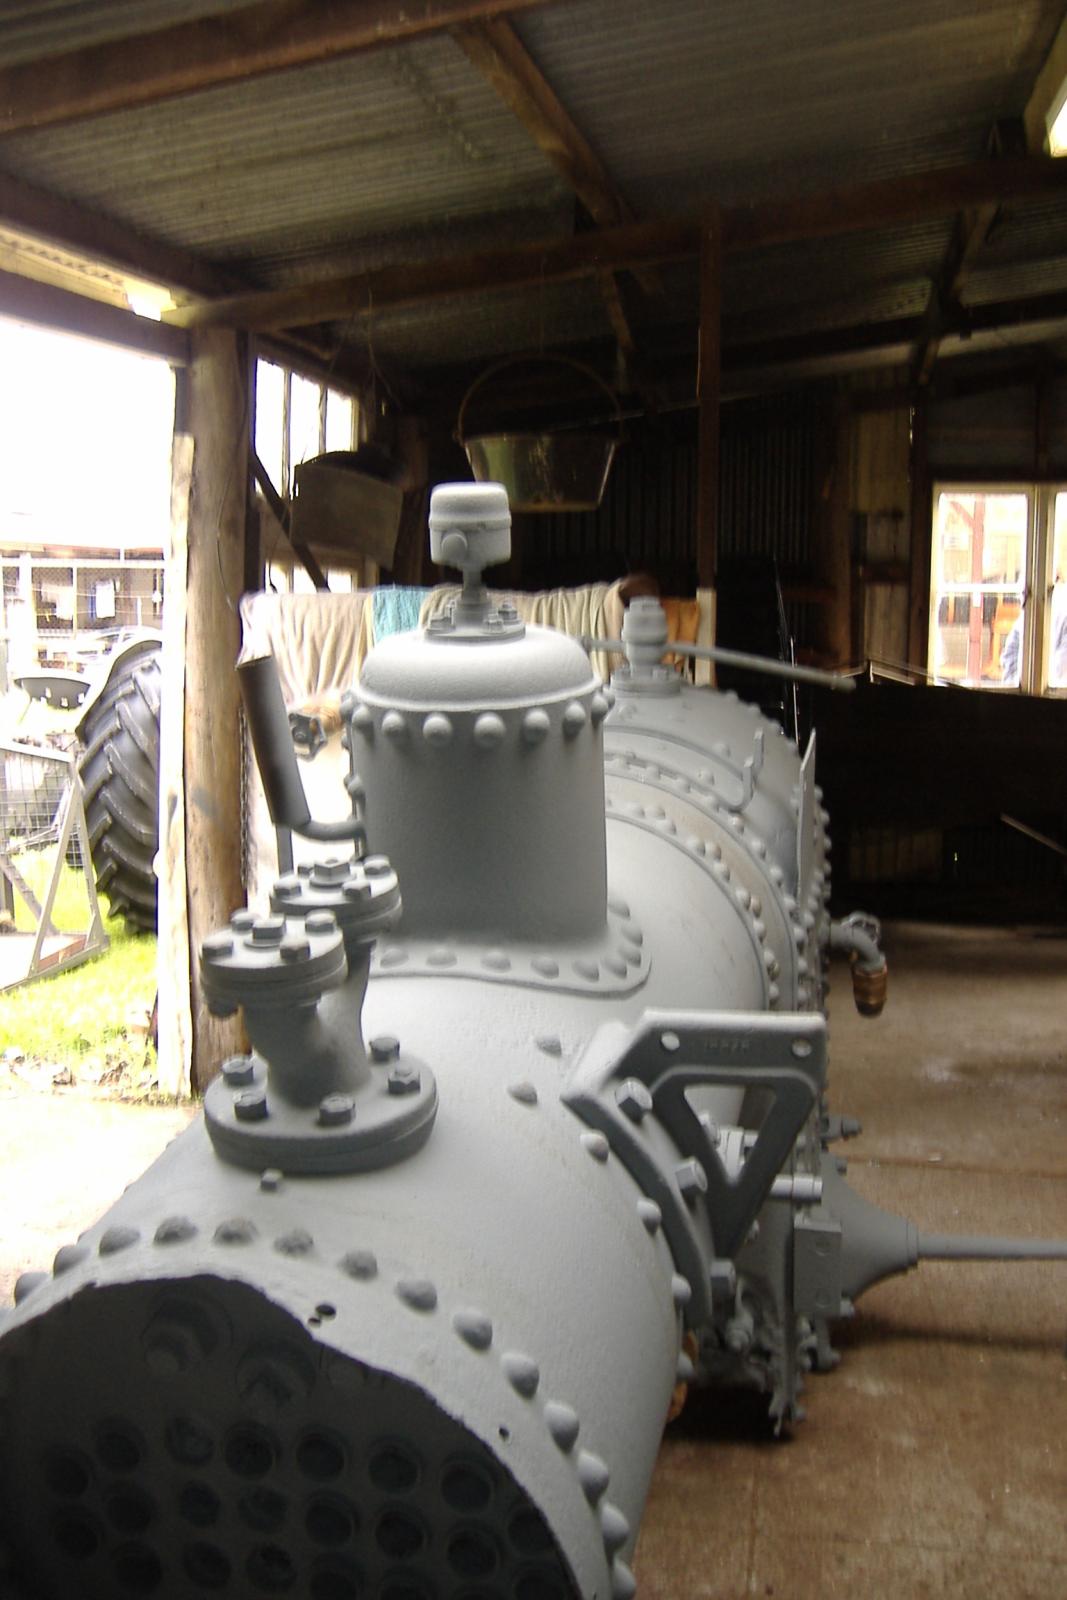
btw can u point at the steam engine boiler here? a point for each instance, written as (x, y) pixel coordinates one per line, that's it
(530, 1131)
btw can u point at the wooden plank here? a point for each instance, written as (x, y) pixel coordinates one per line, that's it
(217, 419)
(173, 957)
(49, 307)
(709, 375)
(630, 246)
(265, 37)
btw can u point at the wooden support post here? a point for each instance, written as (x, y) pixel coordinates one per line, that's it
(218, 421)
(709, 387)
(835, 555)
(921, 535)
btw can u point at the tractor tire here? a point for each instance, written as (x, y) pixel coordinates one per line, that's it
(119, 769)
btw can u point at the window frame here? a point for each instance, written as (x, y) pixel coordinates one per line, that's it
(1037, 584)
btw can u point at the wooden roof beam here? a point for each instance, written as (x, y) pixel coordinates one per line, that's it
(499, 54)
(969, 234)
(496, 50)
(266, 37)
(639, 244)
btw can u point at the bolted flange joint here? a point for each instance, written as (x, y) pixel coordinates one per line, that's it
(271, 963)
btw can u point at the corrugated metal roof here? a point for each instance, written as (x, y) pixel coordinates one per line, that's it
(32, 28)
(289, 165)
(753, 99)
(409, 153)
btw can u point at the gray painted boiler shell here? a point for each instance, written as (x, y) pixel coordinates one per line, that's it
(513, 1210)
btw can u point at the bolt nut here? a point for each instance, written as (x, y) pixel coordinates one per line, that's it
(691, 1178)
(251, 1106)
(334, 870)
(321, 922)
(237, 1071)
(384, 1048)
(404, 1079)
(295, 948)
(633, 1099)
(268, 930)
(336, 1110)
(216, 947)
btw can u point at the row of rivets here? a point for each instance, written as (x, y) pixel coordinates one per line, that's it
(490, 729)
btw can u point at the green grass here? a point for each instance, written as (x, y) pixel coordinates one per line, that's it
(86, 1011)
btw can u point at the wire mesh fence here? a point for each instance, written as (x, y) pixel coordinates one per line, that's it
(66, 613)
(49, 915)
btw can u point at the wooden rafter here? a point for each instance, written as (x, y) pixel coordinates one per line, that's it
(969, 233)
(496, 50)
(869, 206)
(265, 37)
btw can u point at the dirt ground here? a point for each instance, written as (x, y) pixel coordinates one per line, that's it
(65, 1155)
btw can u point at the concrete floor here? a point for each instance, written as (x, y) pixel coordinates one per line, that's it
(933, 1462)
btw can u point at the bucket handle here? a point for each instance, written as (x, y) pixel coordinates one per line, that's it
(521, 361)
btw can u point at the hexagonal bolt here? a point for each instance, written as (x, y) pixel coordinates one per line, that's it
(269, 931)
(357, 889)
(723, 1280)
(295, 948)
(321, 922)
(335, 870)
(237, 1071)
(216, 947)
(384, 1048)
(243, 921)
(404, 1079)
(692, 1179)
(251, 1106)
(336, 1110)
(377, 866)
(633, 1099)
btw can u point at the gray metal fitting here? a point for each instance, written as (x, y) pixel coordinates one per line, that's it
(403, 1079)
(692, 1179)
(384, 1047)
(335, 1110)
(633, 1099)
(723, 1279)
(251, 1106)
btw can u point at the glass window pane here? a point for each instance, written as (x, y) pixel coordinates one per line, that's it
(270, 387)
(979, 574)
(303, 420)
(339, 418)
(1057, 651)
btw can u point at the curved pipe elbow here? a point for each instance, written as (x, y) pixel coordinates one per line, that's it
(857, 937)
